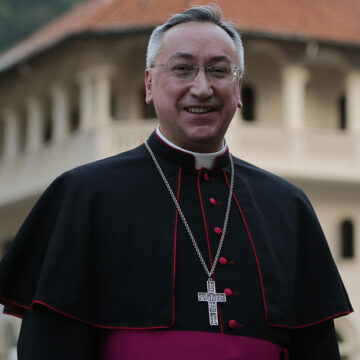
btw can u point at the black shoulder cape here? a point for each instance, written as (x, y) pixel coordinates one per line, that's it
(88, 248)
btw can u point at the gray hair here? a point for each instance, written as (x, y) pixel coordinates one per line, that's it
(204, 13)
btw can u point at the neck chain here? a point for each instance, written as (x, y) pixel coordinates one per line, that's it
(211, 297)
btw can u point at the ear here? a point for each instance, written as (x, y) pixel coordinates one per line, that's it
(148, 86)
(240, 104)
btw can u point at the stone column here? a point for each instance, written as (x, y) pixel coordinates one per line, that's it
(102, 94)
(11, 134)
(294, 80)
(60, 113)
(34, 122)
(86, 100)
(353, 101)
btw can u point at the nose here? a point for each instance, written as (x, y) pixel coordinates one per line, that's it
(200, 87)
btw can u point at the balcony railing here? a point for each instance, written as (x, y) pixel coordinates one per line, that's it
(322, 154)
(308, 153)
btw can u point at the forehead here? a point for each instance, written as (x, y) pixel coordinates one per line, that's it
(202, 41)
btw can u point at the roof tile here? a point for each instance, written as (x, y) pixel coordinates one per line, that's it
(329, 20)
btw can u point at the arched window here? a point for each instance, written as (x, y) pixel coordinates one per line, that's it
(74, 111)
(348, 338)
(8, 339)
(47, 133)
(4, 245)
(342, 112)
(341, 341)
(248, 100)
(74, 119)
(22, 128)
(347, 239)
(114, 108)
(1, 138)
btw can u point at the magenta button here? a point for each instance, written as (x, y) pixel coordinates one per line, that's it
(217, 230)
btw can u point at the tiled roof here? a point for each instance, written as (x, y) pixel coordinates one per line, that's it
(324, 20)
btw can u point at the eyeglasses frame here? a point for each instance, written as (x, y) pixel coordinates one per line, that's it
(235, 70)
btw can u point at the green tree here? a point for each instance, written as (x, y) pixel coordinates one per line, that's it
(19, 18)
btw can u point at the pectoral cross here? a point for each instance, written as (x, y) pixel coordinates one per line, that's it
(212, 298)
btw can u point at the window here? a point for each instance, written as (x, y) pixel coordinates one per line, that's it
(4, 245)
(342, 112)
(47, 135)
(341, 340)
(1, 138)
(347, 239)
(47, 120)
(248, 100)
(9, 340)
(22, 128)
(74, 104)
(113, 102)
(74, 118)
(347, 337)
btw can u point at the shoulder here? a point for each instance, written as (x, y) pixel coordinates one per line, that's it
(107, 166)
(105, 173)
(267, 186)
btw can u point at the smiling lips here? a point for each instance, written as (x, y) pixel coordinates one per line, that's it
(199, 110)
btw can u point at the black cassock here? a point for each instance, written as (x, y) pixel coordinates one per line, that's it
(104, 248)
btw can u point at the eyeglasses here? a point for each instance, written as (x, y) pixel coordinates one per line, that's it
(222, 73)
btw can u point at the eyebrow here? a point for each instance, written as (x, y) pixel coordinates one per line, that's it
(191, 57)
(183, 56)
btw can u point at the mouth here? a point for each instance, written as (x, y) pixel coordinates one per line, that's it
(199, 110)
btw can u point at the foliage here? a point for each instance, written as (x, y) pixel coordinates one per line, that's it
(19, 18)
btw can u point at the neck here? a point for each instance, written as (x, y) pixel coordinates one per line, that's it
(202, 160)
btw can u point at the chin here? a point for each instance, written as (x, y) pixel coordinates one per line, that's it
(203, 133)
(204, 141)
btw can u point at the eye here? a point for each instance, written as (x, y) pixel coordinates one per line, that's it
(219, 71)
(181, 69)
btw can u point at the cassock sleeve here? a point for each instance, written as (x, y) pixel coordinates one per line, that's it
(317, 342)
(45, 334)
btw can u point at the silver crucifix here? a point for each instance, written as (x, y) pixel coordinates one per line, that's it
(212, 298)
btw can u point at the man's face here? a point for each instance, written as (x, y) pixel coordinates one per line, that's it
(180, 105)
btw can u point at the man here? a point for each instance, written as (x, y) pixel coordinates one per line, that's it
(176, 249)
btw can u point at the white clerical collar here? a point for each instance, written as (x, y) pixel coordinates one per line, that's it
(201, 160)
